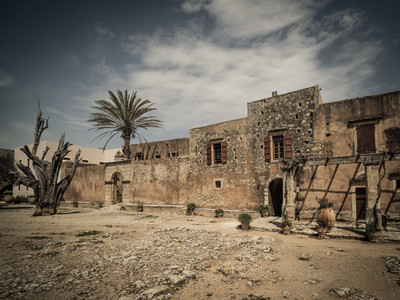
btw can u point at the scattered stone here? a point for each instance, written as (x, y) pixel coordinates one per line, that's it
(304, 256)
(286, 294)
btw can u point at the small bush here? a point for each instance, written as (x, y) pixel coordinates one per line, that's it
(88, 233)
(123, 208)
(245, 218)
(100, 205)
(7, 192)
(20, 199)
(324, 203)
(190, 208)
(219, 211)
(286, 223)
(75, 203)
(371, 227)
(264, 208)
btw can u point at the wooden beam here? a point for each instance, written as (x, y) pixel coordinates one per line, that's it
(363, 158)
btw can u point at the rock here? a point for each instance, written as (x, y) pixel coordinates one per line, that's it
(342, 292)
(154, 291)
(286, 294)
(227, 270)
(304, 256)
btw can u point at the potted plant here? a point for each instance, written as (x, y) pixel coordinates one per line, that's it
(326, 213)
(373, 232)
(139, 208)
(322, 228)
(190, 209)
(245, 220)
(219, 213)
(286, 224)
(75, 203)
(8, 196)
(264, 210)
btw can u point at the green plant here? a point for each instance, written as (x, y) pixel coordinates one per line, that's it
(100, 205)
(286, 222)
(219, 211)
(139, 206)
(190, 208)
(123, 208)
(371, 227)
(245, 218)
(264, 208)
(20, 199)
(88, 233)
(7, 192)
(75, 203)
(324, 203)
(322, 223)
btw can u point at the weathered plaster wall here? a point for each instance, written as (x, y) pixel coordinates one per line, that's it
(160, 149)
(87, 185)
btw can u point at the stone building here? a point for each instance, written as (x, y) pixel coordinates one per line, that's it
(290, 151)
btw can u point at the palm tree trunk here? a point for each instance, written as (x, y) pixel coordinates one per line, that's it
(127, 141)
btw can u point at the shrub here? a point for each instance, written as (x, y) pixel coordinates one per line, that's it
(324, 203)
(123, 208)
(219, 211)
(371, 227)
(264, 208)
(190, 208)
(245, 218)
(20, 199)
(75, 203)
(286, 222)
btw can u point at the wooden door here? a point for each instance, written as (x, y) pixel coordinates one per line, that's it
(361, 203)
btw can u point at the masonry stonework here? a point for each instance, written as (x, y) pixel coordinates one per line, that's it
(290, 151)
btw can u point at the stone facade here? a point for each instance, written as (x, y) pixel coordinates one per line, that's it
(290, 151)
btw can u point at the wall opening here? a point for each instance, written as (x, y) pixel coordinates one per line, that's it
(276, 196)
(116, 188)
(361, 203)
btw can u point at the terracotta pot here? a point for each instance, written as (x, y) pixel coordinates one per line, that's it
(32, 200)
(8, 198)
(245, 225)
(264, 214)
(321, 231)
(286, 230)
(139, 209)
(374, 237)
(327, 215)
(220, 215)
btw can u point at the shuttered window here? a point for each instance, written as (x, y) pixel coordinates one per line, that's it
(217, 153)
(281, 147)
(267, 149)
(224, 153)
(288, 146)
(366, 139)
(209, 155)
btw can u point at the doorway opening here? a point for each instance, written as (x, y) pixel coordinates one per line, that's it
(276, 196)
(361, 203)
(116, 188)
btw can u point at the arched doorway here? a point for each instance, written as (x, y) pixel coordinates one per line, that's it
(276, 196)
(116, 188)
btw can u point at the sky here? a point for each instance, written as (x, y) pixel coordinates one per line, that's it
(200, 62)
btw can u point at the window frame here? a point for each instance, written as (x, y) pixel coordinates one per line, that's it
(217, 152)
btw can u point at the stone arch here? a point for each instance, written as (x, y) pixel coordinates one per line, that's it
(275, 195)
(117, 187)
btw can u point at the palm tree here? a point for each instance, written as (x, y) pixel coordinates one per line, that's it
(124, 114)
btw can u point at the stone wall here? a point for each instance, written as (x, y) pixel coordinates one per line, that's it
(87, 185)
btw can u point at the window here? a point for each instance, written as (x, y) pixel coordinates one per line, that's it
(365, 139)
(278, 147)
(139, 156)
(397, 184)
(217, 153)
(218, 184)
(281, 146)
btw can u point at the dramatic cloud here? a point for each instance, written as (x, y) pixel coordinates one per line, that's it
(256, 47)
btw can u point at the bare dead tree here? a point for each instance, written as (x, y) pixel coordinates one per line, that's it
(44, 180)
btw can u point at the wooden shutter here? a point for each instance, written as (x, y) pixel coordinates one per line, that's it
(224, 153)
(267, 149)
(209, 154)
(288, 146)
(365, 139)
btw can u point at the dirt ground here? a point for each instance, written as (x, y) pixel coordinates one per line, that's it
(114, 254)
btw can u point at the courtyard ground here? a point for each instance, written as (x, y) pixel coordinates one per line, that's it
(113, 254)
